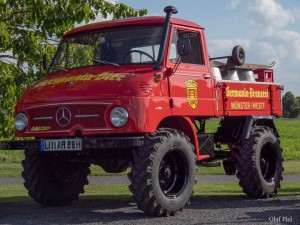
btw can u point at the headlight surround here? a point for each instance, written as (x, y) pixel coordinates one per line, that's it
(21, 121)
(119, 117)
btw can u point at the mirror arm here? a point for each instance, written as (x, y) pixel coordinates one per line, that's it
(177, 64)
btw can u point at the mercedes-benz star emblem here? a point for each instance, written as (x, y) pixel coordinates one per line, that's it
(63, 116)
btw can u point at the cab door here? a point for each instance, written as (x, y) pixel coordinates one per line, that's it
(191, 85)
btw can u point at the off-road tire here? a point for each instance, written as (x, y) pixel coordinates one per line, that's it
(163, 173)
(238, 55)
(259, 163)
(53, 180)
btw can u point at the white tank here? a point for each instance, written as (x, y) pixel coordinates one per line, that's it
(232, 75)
(246, 75)
(216, 73)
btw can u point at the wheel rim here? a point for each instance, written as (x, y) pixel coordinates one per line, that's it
(64, 172)
(268, 161)
(173, 174)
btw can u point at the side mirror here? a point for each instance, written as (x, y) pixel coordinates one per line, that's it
(183, 46)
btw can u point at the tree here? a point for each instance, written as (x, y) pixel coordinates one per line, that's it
(291, 106)
(30, 29)
(298, 99)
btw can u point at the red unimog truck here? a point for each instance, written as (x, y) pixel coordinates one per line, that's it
(137, 93)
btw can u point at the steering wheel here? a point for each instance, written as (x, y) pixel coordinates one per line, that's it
(141, 53)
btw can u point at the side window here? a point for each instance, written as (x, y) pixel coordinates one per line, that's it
(195, 56)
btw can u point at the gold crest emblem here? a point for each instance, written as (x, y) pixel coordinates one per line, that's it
(192, 93)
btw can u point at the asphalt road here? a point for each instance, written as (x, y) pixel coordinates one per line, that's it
(233, 210)
(124, 179)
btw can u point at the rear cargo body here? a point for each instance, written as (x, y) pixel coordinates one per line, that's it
(241, 98)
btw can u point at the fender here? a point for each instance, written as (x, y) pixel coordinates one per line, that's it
(185, 125)
(227, 133)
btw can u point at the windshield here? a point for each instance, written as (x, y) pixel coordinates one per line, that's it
(108, 47)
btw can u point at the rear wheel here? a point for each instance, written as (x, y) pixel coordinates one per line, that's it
(259, 163)
(163, 173)
(53, 180)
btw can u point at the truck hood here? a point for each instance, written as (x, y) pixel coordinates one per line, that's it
(64, 86)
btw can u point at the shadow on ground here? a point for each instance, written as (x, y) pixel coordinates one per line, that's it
(121, 210)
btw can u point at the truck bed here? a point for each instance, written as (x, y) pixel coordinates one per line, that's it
(235, 98)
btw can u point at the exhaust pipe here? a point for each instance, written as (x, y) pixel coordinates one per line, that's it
(169, 10)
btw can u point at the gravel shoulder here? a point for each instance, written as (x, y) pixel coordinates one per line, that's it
(233, 210)
(203, 210)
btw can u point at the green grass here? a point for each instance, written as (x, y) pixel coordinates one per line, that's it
(18, 194)
(14, 169)
(10, 169)
(289, 131)
(11, 156)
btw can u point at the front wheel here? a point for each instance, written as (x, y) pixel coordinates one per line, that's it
(52, 180)
(163, 173)
(259, 163)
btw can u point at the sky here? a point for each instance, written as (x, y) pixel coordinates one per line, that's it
(268, 30)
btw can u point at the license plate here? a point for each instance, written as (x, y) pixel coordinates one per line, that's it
(74, 144)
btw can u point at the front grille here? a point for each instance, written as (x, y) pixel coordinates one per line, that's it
(86, 116)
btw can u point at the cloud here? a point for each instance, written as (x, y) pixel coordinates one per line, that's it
(233, 4)
(288, 35)
(270, 14)
(222, 47)
(296, 12)
(272, 51)
(292, 40)
(272, 29)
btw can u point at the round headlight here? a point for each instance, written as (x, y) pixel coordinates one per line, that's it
(119, 117)
(21, 122)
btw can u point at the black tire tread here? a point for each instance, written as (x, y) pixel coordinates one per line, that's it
(33, 167)
(245, 163)
(140, 175)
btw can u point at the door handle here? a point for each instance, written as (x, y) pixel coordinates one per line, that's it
(207, 76)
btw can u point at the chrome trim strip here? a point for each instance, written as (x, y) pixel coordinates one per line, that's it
(191, 75)
(87, 116)
(44, 118)
(70, 103)
(104, 129)
(57, 131)
(62, 131)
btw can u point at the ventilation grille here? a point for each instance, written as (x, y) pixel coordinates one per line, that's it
(145, 87)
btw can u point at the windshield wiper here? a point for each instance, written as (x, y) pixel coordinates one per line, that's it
(60, 69)
(105, 62)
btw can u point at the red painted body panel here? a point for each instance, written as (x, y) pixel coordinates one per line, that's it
(150, 96)
(129, 22)
(248, 99)
(77, 84)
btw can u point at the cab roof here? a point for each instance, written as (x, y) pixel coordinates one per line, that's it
(129, 22)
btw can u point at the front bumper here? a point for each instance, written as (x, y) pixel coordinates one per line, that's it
(87, 143)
